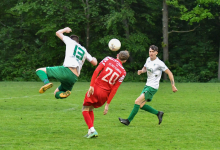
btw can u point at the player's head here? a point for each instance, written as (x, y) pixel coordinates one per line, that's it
(154, 48)
(153, 51)
(75, 38)
(123, 56)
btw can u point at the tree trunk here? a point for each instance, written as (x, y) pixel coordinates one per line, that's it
(219, 63)
(88, 26)
(127, 33)
(125, 23)
(165, 34)
(86, 11)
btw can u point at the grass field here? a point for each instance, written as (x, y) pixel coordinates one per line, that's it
(32, 121)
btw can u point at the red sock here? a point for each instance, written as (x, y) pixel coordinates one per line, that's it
(87, 119)
(91, 116)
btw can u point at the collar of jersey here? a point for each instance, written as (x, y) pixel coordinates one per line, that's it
(119, 61)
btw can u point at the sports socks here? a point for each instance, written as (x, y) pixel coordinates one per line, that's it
(133, 112)
(57, 95)
(43, 76)
(91, 116)
(87, 119)
(150, 109)
(92, 129)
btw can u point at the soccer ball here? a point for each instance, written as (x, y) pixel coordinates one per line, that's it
(114, 44)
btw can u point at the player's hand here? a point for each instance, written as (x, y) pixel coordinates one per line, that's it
(105, 112)
(68, 30)
(140, 72)
(106, 109)
(90, 91)
(94, 61)
(174, 89)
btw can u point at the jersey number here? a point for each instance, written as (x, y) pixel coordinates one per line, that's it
(78, 52)
(113, 78)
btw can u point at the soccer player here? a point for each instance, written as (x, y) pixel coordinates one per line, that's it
(68, 73)
(154, 67)
(103, 88)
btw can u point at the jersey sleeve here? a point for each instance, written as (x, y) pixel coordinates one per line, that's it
(163, 67)
(145, 65)
(103, 62)
(88, 57)
(67, 40)
(95, 74)
(115, 88)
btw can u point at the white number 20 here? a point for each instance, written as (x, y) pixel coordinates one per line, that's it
(113, 78)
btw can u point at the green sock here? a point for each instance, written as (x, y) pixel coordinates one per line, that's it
(43, 76)
(57, 95)
(133, 112)
(149, 109)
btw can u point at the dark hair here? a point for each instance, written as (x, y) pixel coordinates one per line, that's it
(153, 47)
(75, 38)
(124, 55)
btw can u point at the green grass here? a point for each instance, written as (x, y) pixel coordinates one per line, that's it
(32, 121)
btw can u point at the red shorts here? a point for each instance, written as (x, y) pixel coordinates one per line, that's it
(99, 97)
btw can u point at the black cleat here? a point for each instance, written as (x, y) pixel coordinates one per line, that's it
(160, 116)
(124, 121)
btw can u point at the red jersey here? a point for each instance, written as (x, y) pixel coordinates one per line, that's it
(111, 76)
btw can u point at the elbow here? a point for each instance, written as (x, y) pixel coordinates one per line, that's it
(170, 74)
(57, 33)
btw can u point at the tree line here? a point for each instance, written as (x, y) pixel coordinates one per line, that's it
(187, 34)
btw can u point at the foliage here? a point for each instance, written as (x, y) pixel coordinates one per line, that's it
(28, 41)
(194, 54)
(198, 11)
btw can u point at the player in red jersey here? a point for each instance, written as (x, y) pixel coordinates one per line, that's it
(103, 88)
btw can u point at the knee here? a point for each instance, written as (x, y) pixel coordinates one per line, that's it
(57, 90)
(140, 100)
(55, 94)
(42, 69)
(137, 101)
(39, 69)
(87, 108)
(83, 108)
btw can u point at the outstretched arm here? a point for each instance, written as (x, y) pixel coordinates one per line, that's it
(94, 61)
(60, 32)
(143, 70)
(106, 109)
(113, 92)
(111, 95)
(170, 74)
